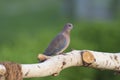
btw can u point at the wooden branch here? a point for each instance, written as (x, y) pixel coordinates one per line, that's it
(53, 66)
(102, 60)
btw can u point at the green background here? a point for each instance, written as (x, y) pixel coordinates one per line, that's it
(27, 27)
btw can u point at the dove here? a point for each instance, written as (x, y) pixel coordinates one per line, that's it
(60, 42)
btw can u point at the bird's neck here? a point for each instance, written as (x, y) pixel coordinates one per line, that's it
(66, 32)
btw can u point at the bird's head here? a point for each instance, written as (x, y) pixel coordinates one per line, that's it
(68, 27)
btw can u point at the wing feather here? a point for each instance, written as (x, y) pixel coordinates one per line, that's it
(57, 44)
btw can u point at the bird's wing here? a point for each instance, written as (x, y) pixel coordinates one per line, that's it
(57, 44)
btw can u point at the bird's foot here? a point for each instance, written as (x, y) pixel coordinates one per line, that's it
(61, 53)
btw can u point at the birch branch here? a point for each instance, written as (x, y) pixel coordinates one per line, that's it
(53, 66)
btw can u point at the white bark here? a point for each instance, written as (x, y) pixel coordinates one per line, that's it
(104, 60)
(55, 64)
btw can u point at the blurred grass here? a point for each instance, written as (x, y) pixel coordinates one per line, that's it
(24, 35)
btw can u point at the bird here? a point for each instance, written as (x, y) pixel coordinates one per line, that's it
(60, 42)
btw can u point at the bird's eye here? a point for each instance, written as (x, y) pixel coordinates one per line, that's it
(69, 25)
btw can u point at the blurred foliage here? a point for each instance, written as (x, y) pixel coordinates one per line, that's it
(26, 32)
